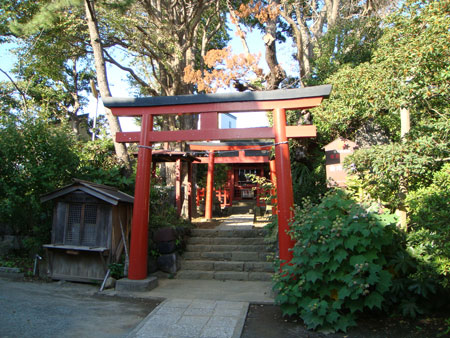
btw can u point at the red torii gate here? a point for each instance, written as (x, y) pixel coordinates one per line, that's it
(208, 106)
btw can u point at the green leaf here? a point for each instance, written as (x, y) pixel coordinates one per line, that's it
(340, 255)
(332, 316)
(312, 276)
(351, 242)
(373, 299)
(344, 292)
(289, 309)
(358, 259)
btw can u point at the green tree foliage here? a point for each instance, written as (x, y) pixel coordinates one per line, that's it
(38, 157)
(409, 69)
(35, 159)
(430, 218)
(52, 59)
(381, 169)
(338, 266)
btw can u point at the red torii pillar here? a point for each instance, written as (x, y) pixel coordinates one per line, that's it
(208, 106)
(273, 179)
(209, 186)
(139, 234)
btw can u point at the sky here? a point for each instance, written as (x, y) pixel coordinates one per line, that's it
(120, 88)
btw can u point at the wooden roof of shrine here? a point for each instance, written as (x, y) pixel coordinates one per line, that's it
(106, 193)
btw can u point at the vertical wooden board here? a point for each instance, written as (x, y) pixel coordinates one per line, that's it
(84, 266)
(104, 226)
(59, 223)
(116, 235)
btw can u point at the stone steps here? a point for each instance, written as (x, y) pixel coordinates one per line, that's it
(225, 275)
(226, 254)
(240, 233)
(248, 266)
(244, 256)
(227, 240)
(226, 248)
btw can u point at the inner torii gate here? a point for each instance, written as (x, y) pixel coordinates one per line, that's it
(208, 106)
(212, 148)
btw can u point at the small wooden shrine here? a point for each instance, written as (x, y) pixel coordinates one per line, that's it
(91, 224)
(336, 152)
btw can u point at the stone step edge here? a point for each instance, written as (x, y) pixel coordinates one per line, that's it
(244, 256)
(228, 248)
(227, 233)
(224, 275)
(238, 266)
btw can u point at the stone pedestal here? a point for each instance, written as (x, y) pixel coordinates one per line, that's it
(140, 285)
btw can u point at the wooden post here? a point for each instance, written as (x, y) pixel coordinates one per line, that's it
(178, 186)
(273, 179)
(190, 190)
(209, 186)
(139, 227)
(285, 193)
(232, 187)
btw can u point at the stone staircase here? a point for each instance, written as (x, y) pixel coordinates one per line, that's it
(226, 254)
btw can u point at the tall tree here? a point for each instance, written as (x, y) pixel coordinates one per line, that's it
(161, 38)
(43, 17)
(102, 80)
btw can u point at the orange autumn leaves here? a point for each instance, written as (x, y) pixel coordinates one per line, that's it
(222, 69)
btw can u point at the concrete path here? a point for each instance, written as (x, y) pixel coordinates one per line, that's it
(256, 292)
(237, 222)
(187, 318)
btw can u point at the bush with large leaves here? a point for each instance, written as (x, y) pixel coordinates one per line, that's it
(338, 265)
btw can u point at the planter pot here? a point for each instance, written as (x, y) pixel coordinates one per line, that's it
(164, 235)
(166, 247)
(169, 263)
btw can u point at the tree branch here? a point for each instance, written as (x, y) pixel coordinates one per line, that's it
(24, 98)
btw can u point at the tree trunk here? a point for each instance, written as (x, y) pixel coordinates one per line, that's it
(277, 74)
(102, 80)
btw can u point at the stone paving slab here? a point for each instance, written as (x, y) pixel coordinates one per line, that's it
(193, 318)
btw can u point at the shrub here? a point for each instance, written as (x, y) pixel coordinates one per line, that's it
(338, 265)
(429, 212)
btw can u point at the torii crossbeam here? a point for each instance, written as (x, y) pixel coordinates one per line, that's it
(208, 106)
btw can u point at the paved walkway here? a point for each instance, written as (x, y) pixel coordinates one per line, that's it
(187, 318)
(203, 308)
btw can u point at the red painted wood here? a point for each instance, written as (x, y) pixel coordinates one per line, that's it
(209, 186)
(209, 121)
(236, 159)
(227, 147)
(190, 190)
(231, 181)
(285, 193)
(139, 226)
(178, 185)
(217, 134)
(273, 179)
(128, 137)
(224, 107)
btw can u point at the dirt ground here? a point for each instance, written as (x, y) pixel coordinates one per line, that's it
(266, 321)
